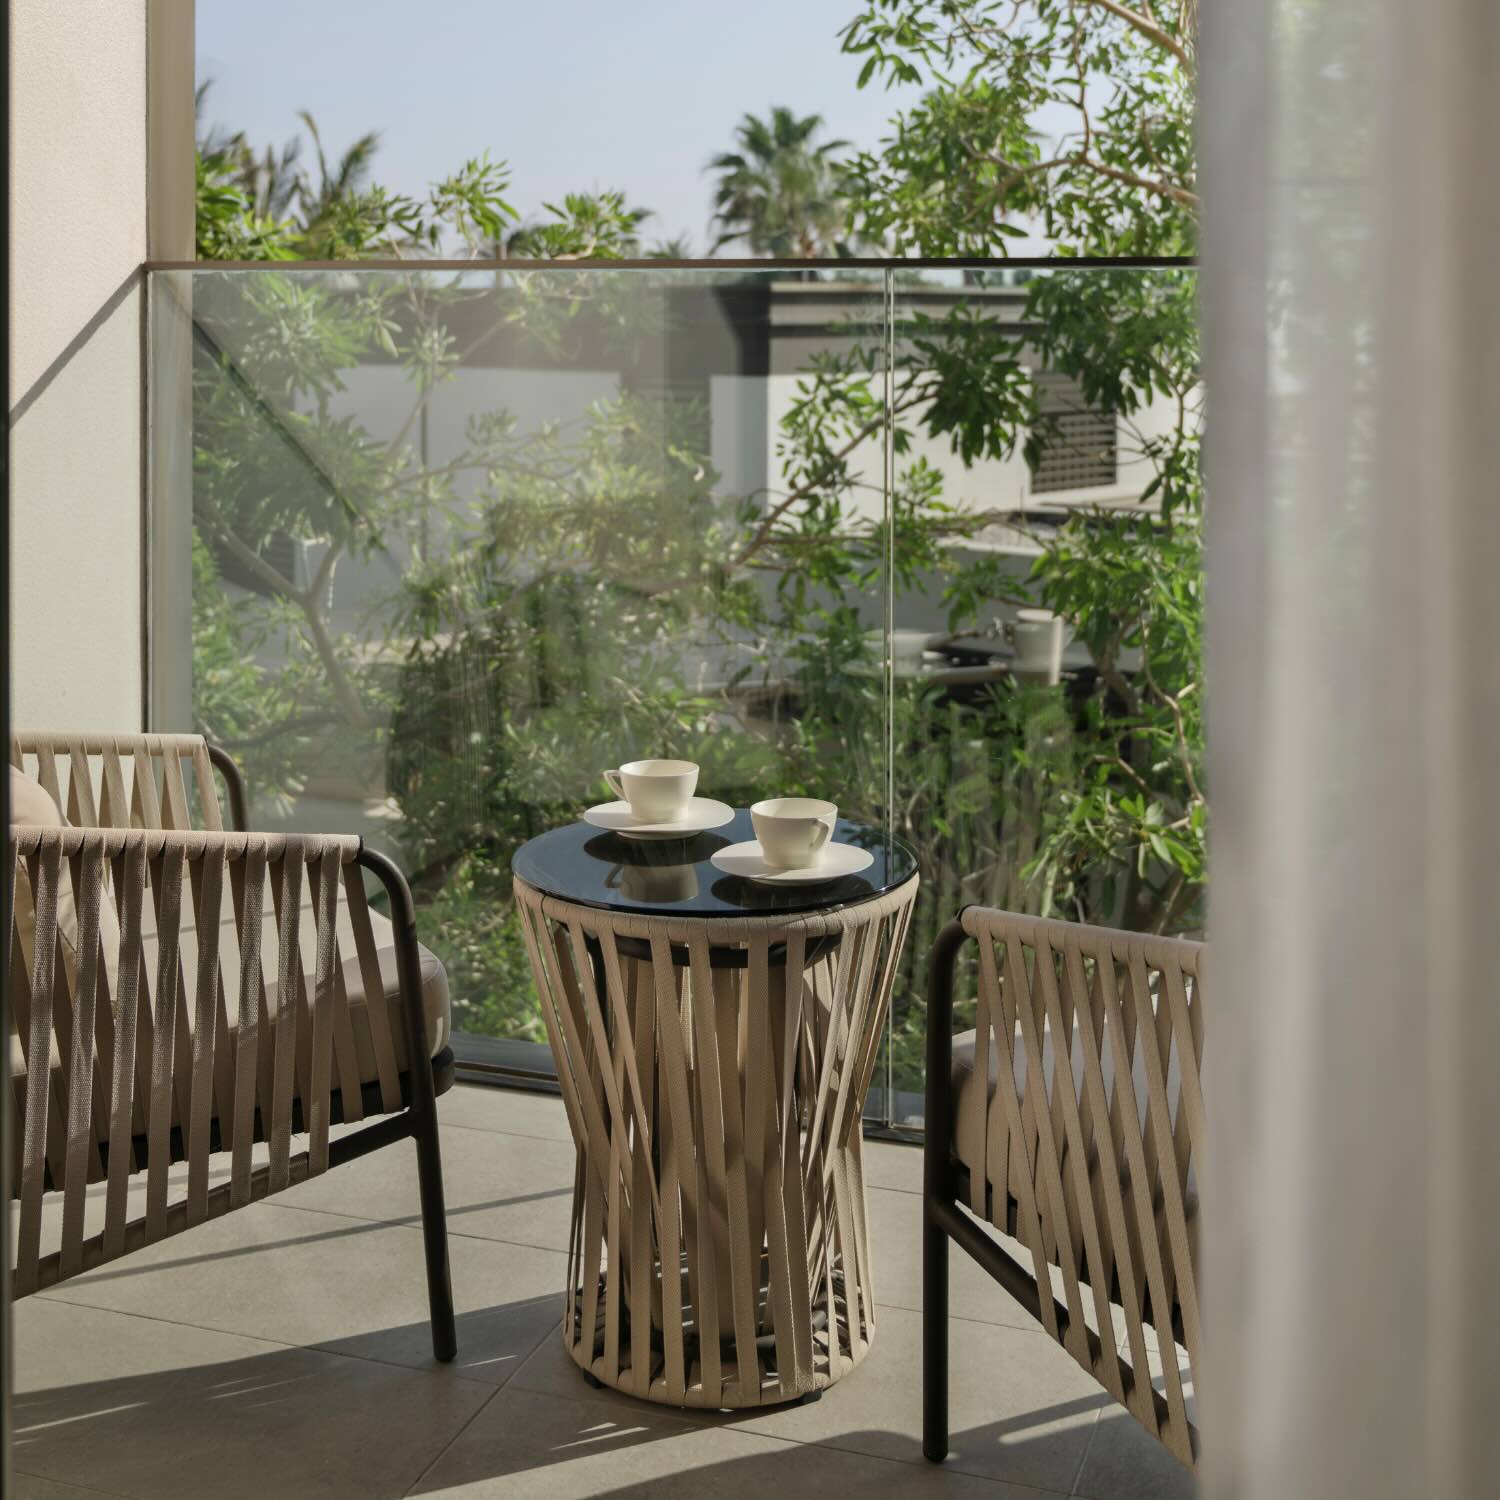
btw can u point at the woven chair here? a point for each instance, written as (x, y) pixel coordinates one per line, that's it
(181, 992)
(1071, 1125)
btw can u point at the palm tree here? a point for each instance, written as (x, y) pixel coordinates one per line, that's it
(276, 185)
(779, 192)
(345, 181)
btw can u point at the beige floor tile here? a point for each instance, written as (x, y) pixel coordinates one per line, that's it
(1125, 1463)
(895, 1220)
(890, 1164)
(33, 1487)
(316, 1279)
(335, 1269)
(518, 1189)
(525, 1444)
(156, 1411)
(516, 1111)
(500, 1187)
(1021, 1410)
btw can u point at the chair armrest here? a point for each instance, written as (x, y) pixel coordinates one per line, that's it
(193, 844)
(937, 1144)
(234, 784)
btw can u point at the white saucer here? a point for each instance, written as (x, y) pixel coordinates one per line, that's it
(835, 860)
(702, 814)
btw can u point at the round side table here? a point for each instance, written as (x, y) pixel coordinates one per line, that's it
(714, 1040)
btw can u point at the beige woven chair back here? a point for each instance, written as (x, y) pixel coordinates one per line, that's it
(1087, 1137)
(218, 1018)
(124, 781)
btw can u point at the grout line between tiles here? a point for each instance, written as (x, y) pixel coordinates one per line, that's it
(483, 1406)
(525, 1135)
(954, 1317)
(256, 1338)
(82, 1489)
(557, 1140)
(413, 1222)
(478, 1411)
(1088, 1447)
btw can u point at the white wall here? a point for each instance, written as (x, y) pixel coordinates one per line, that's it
(78, 237)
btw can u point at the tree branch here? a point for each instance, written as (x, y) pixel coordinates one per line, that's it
(772, 516)
(1148, 28)
(338, 680)
(1174, 707)
(1104, 664)
(294, 725)
(251, 560)
(1185, 196)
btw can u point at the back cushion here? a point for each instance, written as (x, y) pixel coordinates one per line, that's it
(32, 806)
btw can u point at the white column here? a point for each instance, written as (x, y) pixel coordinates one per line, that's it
(78, 237)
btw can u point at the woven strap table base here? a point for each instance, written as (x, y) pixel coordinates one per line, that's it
(641, 1367)
(719, 1253)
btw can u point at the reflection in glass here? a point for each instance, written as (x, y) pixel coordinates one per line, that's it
(465, 540)
(461, 540)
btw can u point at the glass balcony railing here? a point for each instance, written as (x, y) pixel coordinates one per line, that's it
(457, 539)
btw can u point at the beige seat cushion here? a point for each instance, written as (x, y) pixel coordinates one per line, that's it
(970, 1138)
(31, 806)
(434, 977)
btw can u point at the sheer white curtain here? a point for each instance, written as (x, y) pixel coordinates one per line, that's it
(1351, 170)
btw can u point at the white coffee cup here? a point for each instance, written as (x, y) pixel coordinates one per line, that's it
(793, 830)
(658, 791)
(1037, 635)
(907, 647)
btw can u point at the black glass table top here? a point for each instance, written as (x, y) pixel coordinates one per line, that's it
(675, 877)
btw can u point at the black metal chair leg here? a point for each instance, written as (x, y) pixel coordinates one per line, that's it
(435, 1235)
(937, 1187)
(423, 1106)
(934, 1340)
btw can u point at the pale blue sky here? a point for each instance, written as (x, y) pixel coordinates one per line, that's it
(575, 94)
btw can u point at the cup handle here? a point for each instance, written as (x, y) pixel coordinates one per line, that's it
(615, 784)
(823, 835)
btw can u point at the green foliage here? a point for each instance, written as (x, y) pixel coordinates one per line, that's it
(966, 169)
(230, 692)
(261, 205)
(584, 226)
(554, 581)
(229, 227)
(780, 191)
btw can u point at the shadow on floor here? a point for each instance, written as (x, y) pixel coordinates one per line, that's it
(343, 1421)
(326, 1421)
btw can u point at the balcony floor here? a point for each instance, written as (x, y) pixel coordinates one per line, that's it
(284, 1350)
